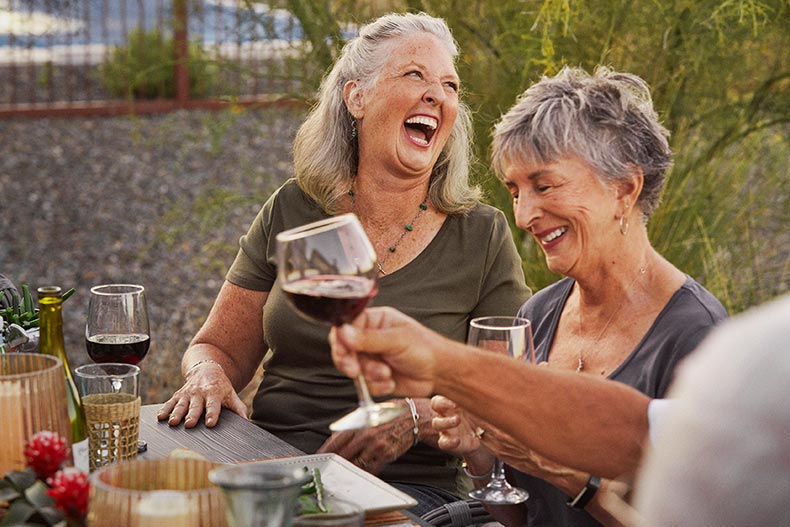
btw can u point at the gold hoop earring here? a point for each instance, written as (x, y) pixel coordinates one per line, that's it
(623, 225)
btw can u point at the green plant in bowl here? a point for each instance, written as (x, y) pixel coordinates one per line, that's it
(20, 317)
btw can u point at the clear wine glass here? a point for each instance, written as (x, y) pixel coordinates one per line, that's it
(328, 272)
(511, 336)
(117, 330)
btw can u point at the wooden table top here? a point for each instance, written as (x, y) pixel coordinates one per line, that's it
(234, 440)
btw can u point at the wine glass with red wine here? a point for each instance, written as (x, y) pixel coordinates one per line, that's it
(117, 328)
(328, 270)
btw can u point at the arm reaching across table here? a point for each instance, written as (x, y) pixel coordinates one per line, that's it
(592, 424)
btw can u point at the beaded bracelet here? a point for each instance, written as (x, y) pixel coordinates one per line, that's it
(415, 417)
(203, 361)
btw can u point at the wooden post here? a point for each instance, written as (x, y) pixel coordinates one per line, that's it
(181, 71)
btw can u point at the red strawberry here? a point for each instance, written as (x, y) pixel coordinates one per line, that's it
(70, 489)
(45, 452)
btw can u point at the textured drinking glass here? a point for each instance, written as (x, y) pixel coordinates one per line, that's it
(111, 401)
(510, 336)
(155, 493)
(32, 399)
(328, 271)
(259, 495)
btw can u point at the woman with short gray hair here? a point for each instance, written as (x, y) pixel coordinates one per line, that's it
(389, 141)
(584, 158)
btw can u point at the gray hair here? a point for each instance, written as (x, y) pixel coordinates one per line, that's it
(606, 118)
(325, 153)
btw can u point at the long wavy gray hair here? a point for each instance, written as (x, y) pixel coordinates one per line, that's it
(607, 119)
(325, 153)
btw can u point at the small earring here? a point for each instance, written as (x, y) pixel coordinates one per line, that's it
(623, 224)
(353, 128)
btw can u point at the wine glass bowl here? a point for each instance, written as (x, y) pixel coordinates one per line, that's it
(328, 271)
(510, 336)
(117, 329)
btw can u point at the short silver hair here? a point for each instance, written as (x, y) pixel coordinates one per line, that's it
(607, 119)
(325, 153)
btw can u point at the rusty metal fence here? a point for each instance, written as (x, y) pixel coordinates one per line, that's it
(80, 57)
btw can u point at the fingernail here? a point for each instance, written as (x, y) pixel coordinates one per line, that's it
(209, 420)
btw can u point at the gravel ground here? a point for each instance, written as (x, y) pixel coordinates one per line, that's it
(159, 201)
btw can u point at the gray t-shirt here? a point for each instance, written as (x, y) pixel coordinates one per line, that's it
(471, 268)
(677, 330)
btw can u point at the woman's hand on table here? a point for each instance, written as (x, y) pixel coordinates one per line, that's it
(374, 448)
(206, 388)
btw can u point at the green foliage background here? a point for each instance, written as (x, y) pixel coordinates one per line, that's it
(143, 69)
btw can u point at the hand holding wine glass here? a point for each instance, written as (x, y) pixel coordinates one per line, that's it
(511, 336)
(328, 271)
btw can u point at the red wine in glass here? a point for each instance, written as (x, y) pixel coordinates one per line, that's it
(126, 348)
(336, 299)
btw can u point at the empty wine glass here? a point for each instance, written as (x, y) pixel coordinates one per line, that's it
(328, 271)
(511, 336)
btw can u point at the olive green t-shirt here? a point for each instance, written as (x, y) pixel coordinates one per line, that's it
(471, 268)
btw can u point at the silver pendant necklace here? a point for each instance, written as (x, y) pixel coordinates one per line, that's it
(580, 365)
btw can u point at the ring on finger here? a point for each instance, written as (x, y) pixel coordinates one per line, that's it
(361, 462)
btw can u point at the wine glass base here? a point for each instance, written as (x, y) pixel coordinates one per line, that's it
(500, 495)
(368, 416)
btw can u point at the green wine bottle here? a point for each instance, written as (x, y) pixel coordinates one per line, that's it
(50, 306)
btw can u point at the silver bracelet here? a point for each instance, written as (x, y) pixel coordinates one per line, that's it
(415, 417)
(203, 361)
(485, 476)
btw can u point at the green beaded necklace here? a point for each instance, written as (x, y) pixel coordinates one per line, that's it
(406, 228)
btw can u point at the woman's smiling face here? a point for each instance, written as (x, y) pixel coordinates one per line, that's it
(407, 115)
(569, 211)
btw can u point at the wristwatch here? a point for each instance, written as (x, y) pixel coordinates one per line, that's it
(586, 494)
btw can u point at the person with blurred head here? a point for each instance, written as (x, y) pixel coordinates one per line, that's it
(723, 455)
(389, 140)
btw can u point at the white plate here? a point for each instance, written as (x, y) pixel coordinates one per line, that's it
(346, 481)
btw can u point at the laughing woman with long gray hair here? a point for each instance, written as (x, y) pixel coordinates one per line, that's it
(388, 140)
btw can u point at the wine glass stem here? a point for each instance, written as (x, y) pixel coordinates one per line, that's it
(362, 391)
(498, 474)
